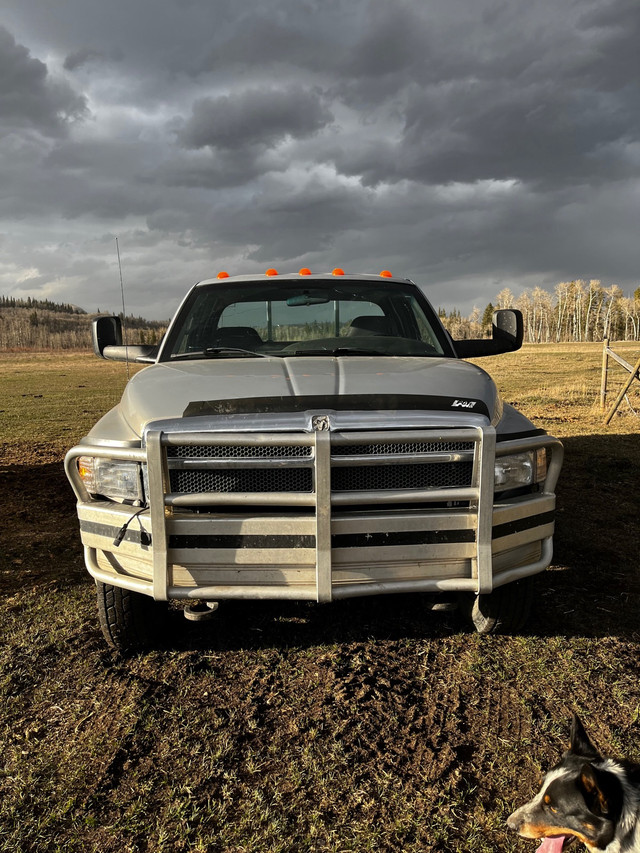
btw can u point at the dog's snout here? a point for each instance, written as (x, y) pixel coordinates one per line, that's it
(514, 821)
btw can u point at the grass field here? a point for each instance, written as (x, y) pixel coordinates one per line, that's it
(365, 725)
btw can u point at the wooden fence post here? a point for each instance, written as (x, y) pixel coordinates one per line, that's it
(603, 381)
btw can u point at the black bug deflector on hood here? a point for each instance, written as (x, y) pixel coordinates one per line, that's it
(335, 402)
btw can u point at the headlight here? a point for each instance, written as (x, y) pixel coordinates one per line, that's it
(520, 469)
(120, 481)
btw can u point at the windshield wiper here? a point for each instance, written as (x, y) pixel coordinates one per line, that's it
(338, 351)
(212, 352)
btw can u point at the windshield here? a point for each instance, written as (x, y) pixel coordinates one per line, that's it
(288, 318)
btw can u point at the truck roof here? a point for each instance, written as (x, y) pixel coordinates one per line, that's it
(303, 275)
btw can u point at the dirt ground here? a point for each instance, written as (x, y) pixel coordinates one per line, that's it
(370, 724)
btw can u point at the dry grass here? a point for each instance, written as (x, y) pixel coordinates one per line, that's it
(364, 725)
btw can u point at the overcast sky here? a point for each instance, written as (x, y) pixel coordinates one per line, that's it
(469, 145)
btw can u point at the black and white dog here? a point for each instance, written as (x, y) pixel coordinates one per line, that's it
(586, 797)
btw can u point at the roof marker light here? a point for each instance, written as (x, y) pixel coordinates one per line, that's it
(223, 274)
(271, 271)
(305, 271)
(337, 271)
(386, 274)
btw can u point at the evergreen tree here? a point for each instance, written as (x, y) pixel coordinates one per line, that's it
(487, 317)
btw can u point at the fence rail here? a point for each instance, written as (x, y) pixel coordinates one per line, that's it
(634, 373)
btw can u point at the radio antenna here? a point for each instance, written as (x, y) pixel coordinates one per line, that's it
(124, 314)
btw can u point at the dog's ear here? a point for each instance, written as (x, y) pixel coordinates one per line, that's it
(580, 743)
(595, 791)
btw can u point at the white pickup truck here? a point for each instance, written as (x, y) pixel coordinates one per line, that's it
(311, 437)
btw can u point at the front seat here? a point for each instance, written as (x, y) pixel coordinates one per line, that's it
(239, 337)
(369, 325)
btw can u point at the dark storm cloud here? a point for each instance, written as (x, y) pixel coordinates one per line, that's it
(28, 95)
(214, 170)
(615, 29)
(260, 117)
(231, 140)
(533, 133)
(86, 56)
(81, 57)
(470, 144)
(264, 39)
(289, 224)
(538, 107)
(72, 179)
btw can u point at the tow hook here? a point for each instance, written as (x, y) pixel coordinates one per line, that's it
(201, 611)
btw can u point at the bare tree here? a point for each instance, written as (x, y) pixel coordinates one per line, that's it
(562, 303)
(505, 298)
(613, 295)
(543, 309)
(524, 303)
(630, 309)
(594, 295)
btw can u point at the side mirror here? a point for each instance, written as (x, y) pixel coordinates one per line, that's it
(508, 329)
(507, 332)
(106, 333)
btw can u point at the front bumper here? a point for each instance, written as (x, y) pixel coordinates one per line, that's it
(321, 544)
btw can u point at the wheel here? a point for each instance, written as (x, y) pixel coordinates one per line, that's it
(130, 621)
(504, 611)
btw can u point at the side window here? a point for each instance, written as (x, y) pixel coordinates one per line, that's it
(425, 330)
(197, 325)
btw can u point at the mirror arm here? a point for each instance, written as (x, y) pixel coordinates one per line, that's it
(476, 348)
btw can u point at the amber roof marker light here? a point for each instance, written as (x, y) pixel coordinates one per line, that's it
(386, 274)
(305, 271)
(271, 272)
(223, 274)
(337, 271)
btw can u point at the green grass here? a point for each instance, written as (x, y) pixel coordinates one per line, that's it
(50, 400)
(365, 725)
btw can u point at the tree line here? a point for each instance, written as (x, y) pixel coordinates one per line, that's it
(33, 327)
(575, 311)
(43, 304)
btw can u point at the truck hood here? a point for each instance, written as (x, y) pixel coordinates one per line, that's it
(167, 391)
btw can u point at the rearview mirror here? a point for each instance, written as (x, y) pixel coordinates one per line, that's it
(307, 299)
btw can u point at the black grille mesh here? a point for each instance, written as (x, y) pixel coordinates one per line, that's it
(243, 480)
(228, 451)
(350, 478)
(392, 448)
(439, 475)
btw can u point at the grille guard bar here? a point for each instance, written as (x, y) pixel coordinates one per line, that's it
(479, 495)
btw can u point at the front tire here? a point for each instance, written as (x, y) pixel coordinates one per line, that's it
(130, 621)
(504, 611)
